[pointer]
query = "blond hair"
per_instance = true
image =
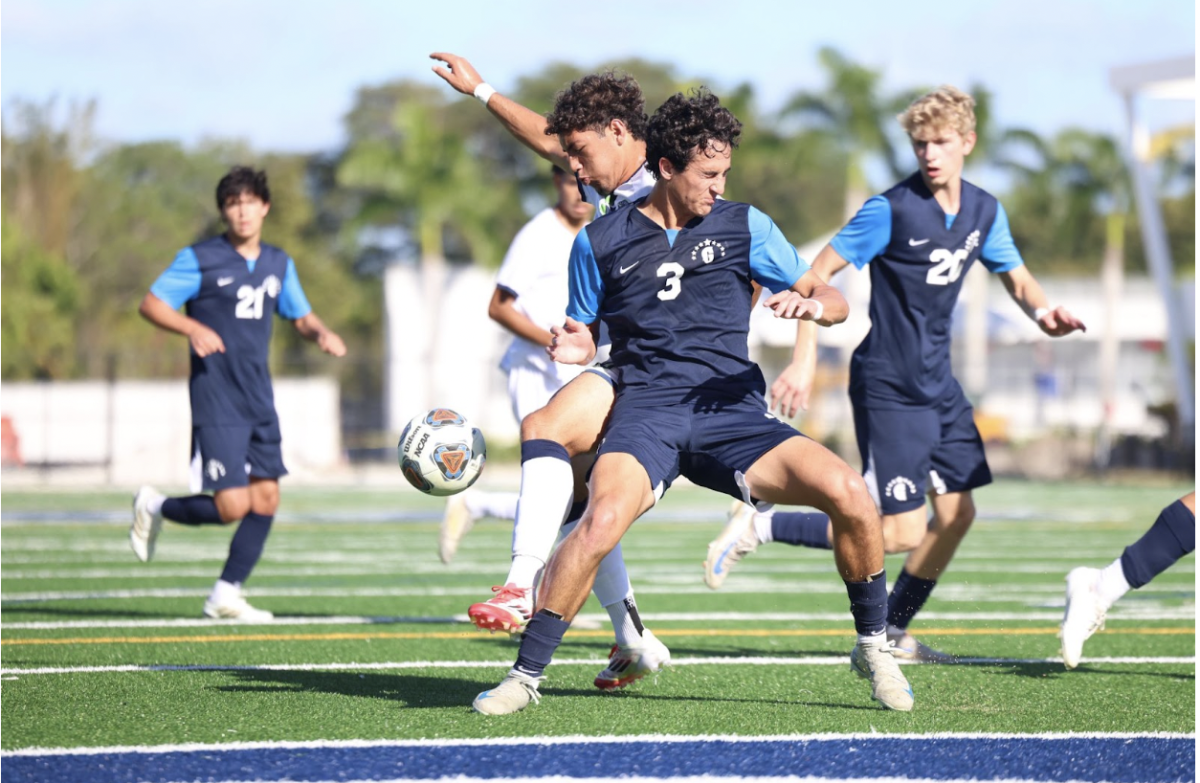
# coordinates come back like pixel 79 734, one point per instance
pixel 945 107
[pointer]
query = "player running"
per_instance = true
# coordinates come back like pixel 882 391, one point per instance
pixel 916 429
pixel 232 285
pixel 671 278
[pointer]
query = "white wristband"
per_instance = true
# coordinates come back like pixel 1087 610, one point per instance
pixel 484 91
pixel 1040 313
pixel 820 309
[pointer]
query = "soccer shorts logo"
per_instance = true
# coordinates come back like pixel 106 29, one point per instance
pixel 441 417
pixel 900 488
pixel 451 459
pixel 214 470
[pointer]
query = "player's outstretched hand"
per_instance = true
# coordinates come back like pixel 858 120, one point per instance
pixel 205 341
pixel 571 343
pixel 1059 322
pixel 331 343
pixel 458 72
pixel 792 389
pixel 789 304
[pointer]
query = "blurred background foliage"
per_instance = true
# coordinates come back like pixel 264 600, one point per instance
pixel 426 176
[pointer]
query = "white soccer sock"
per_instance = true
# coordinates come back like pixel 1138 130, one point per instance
pixel 547 489
pixel 874 639
pixel 498 505
pixel 1111 584
pixel 762 525
pixel 525 571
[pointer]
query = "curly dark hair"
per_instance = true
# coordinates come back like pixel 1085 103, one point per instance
pixel 592 101
pixel 239 180
pixel 685 124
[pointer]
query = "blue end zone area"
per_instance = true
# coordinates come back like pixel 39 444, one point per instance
pixel 1138 759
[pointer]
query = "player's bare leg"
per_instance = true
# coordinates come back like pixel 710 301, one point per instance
pixel 800 471
pixel 953 514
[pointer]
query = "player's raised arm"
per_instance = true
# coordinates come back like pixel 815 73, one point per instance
pixel 526 125
pixel 1027 292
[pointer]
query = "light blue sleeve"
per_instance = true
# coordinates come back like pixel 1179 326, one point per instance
pixel 293 303
pixel 585 287
pixel 180 282
pixel 999 254
pixel 867 234
pixel 774 262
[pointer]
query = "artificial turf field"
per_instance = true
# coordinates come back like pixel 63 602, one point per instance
pixel 368 671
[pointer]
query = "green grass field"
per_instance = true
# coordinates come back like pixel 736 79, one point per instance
pixel 371 642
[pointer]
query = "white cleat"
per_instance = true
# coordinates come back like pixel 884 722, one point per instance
pixel 235 608
pixel 737 540
pixel 513 694
pixel 632 663
pixel 1084 614
pixel 875 662
pixel 147 524
pixel 456 522
pixel 907 648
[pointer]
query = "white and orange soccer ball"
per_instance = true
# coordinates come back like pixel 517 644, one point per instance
pixel 441 453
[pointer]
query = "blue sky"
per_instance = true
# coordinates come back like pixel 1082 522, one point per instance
pixel 281 75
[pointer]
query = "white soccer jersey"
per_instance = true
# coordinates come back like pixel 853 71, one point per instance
pixel 630 190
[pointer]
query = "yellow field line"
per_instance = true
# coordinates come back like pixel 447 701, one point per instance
pixel 758 632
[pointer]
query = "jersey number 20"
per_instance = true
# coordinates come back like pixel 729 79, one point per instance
pixel 947 266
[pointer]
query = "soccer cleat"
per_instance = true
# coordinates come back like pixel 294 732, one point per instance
pixel 1084 614
pixel 513 694
pixel 456 521
pixel 737 540
pixel 146 523
pixel 509 610
pixel 235 607
pixel 907 648
pixel 876 662
pixel 629 664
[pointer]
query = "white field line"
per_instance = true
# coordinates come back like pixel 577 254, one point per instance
pixel 631 739
pixel 948 591
pixel 1138 613
pixel 826 660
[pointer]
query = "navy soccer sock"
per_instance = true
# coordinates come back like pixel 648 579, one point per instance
pixel 908 596
pixel 1172 536
pixel 246 547
pixel 801 528
pixel 192 510
pixel 543 634
pixel 868 604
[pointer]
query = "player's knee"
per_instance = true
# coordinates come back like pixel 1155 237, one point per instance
pixel 539 425
pixel 848 493
pixel 961 520
pixel 601 530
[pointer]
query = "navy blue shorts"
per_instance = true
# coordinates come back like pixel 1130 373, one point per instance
pixel 909 452
pixel 224 457
pixel 711 443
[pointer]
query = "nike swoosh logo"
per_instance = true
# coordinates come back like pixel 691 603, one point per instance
pixel 916 242
pixel 224 281
pixel 625 269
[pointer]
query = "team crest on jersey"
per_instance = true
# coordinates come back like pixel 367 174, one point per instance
pixel 900 488
pixel 451 459
pixel 708 251
pixel 214 470
pixel 441 417
pixel 272 286
pixel 972 241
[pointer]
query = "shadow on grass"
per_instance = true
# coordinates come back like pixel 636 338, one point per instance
pixel 1040 670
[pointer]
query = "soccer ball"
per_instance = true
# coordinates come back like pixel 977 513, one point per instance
pixel 441 453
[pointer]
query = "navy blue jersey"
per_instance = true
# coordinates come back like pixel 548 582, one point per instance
pixel 917 273
pixel 677 303
pixel 237 300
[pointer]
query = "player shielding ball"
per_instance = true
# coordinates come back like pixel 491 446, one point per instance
pixel 915 427
pixel 671 276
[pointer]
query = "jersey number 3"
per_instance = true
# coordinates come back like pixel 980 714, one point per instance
pixel 673 272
